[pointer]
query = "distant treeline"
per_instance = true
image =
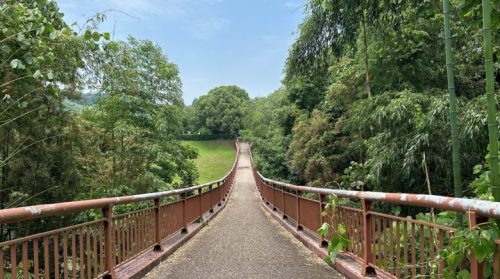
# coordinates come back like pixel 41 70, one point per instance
pixel 208 137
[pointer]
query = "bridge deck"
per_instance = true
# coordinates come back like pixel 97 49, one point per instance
pixel 243 242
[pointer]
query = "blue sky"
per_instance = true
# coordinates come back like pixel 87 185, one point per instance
pixel 214 42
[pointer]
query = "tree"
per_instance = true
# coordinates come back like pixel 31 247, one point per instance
pixel 140 117
pixel 219 111
pixel 268 123
pixel 125 144
pixel 41 59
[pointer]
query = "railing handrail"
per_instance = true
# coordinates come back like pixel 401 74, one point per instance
pixel 482 207
pixel 45 210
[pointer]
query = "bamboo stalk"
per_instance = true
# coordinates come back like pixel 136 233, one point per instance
pixel 457 180
pixel 491 101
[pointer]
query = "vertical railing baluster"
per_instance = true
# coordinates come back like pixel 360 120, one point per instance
pixel 13 261
pixel 65 254
pixel 73 253
pixel 25 258
pixel 413 252
pixel 35 259
pixel 46 262
pixel 56 256
pixel 440 249
pixel 431 251
pixel 89 252
pixel 95 257
pixel 476 268
pixel 1 263
pixel 117 231
pixel 423 259
pixel 80 244
pixel 366 269
pixel 405 248
pixel 108 242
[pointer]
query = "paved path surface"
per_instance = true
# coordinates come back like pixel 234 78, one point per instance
pixel 243 241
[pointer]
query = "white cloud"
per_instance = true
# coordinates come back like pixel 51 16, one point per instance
pixel 204 29
pixel 171 9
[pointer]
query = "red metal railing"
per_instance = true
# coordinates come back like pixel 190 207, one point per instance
pixel 390 245
pixel 95 249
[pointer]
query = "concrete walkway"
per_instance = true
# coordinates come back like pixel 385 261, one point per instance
pixel 243 241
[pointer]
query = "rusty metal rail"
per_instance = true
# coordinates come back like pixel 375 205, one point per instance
pixel 94 249
pixel 382 243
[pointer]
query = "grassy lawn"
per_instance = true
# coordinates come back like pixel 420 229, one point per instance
pixel 215 158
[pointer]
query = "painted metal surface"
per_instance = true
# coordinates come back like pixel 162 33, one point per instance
pixel 482 207
pixel 95 249
pixel 384 244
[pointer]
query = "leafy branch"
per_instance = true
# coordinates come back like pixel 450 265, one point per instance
pixel 338 239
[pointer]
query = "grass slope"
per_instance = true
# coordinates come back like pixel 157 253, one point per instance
pixel 215 158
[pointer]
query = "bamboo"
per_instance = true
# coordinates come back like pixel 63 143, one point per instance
pixel 491 101
pixel 457 180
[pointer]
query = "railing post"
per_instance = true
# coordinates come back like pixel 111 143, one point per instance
pixel 157 246
pixel 259 182
pixel 267 192
pixel 218 193
pixel 366 269
pixel 283 198
pixel 299 226
pixel 210 188
pixel 322 199
pixel 476 268
pixel 199 198
pixel 109 261
pixel 184 220
pixel 274 197
pixel 224 186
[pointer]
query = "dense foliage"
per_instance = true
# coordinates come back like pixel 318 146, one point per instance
pixel 218 112
pixel 367 109
pixel 125 144
pixel 367 105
